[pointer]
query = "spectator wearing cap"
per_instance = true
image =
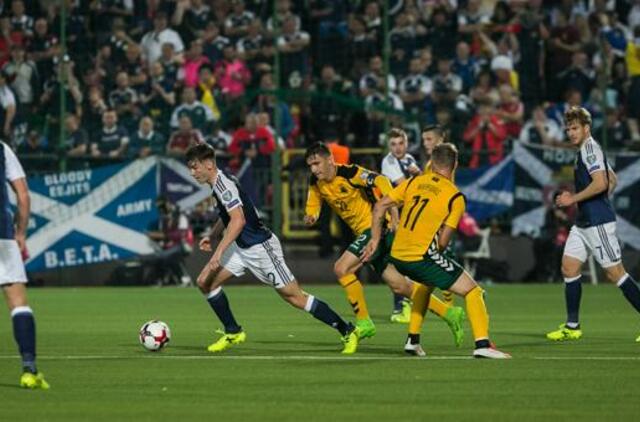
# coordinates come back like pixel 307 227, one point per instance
pixel 486 134
pixel 200 115
pixel 502 68
pixel 541 130
pixel 184 137
pixel 77 142
pixel 112 140
pixel 153 41
pixel 146 141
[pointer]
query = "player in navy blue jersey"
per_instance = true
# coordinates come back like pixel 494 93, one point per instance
pixel 594 230
pixel 248 244
pixel 13 277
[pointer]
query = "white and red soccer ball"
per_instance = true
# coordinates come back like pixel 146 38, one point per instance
pixel 154 335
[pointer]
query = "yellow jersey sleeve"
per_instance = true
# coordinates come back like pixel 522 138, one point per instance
pixel 397 194
pixel 314 200
pixel 370 179
pixel 457 206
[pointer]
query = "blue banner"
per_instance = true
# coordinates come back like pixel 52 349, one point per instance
pixel 489 190
pixel 91 216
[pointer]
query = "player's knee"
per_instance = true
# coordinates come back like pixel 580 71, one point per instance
pixel 340 270
pixel 201 281
pixel 569 271
pixel 614 274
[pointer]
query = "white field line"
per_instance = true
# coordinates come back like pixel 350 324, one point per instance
pixel 309 358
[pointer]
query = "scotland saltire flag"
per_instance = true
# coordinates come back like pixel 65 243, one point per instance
pixel 488 190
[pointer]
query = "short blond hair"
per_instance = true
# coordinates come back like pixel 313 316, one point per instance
pixel 577 114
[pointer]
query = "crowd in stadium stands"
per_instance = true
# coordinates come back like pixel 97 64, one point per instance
pixel 146 77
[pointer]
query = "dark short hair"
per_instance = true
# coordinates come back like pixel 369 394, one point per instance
pixel 319 148
pixel 445 155
pixel 439 130
pixel 200 152
pixel 577 114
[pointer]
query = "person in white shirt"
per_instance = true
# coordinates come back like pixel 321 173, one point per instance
pixel 398 165
pixel 152 41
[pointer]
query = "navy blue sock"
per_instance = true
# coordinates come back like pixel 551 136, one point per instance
pixel 220 305
pixel 24 331
pixel 572 297
pixel 630 290
pixel 398 300
pixel 321 311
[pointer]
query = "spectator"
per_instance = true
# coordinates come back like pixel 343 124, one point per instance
pixel 232 74
pixel 374 80
pixel 171 62
pixel 96 107
pixel 632 57
pixel 112 141
pixel 252 142
pixel 206 89
pixel 511 111
pixel 42 48
pixel 184 138
pixel 442 35
pixel 618 135
pixel 237 24
pixel 269 103
pixel 34 143
pixel 249 47
pixel 415 89
pixel 486 133
pixel 191 18
pixel 214 42
pixel 446 85
pixel 465 66
pixel 502 68
pixel 292 45
pixel 578 76
pixel 485 90
pixel 403 39
pixel 50 99
pixel 361 47
pixel 160 99
pixel 563 42
pixel 8 38
pixel 329 119
pixel 125 101
pixel 219 140
pixel 135 67
pixel 194 59
pixel 153 41
pixel 200 115
pixel 541 130
pixel 77 142
pixel 146 141
pixel 24 79
pixel 20 21
pixel 472 20
pixel 282 12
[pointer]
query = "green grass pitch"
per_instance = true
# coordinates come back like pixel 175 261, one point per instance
pixel 290 368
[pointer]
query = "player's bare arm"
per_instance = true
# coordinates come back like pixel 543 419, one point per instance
pixel 381 207
pixel 208 239
pixel 597 186
pixel 21 190
pixel 446 233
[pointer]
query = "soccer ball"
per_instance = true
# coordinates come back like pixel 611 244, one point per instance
pixel 154 335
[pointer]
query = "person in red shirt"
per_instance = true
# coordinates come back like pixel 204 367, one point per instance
pixel 252 142
pixel 511 110
pixel 486 133
pixel 185 137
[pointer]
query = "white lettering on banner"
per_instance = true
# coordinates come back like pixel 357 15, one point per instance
pixel 559 156
pixel 64 178
pixel 58 191
pixel 78 256
pixel 528 194
pixel 134 208
pixel 179 188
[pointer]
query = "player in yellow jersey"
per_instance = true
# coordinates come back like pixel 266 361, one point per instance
pixel 348 189
pixel 432 207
